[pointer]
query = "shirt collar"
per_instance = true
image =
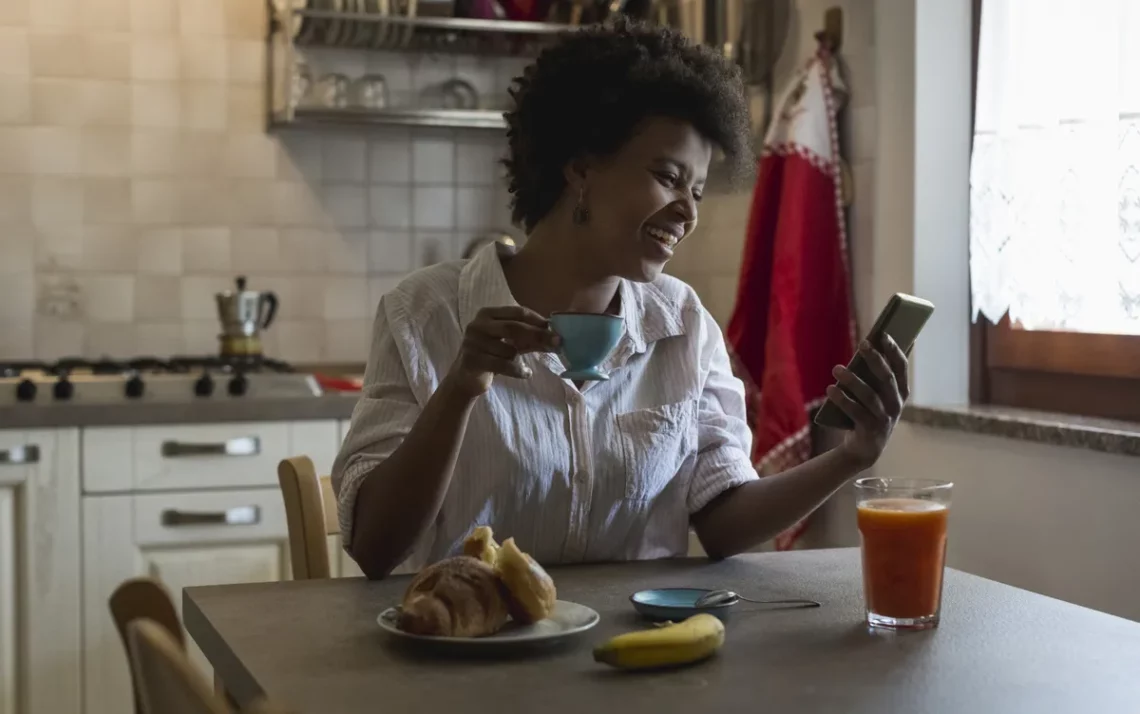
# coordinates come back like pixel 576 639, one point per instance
pixel 648 313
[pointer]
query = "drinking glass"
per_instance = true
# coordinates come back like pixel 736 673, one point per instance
pixel 902 528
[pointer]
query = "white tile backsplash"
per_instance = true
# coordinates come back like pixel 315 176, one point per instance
pixel 116 340
pixel 433 158
pixel 390 252
pixel 346 298
pixel 348 252
pixel 203 58
pixel 475 208
pixel 108 298
pixel 206 250
pixel 433 208
pixel 390 158
pixel 256 250
pixel 154 58
pixel 344 159
pixel 391 207
pixel 15 100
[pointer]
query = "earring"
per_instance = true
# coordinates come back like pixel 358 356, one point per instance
pixel 581 213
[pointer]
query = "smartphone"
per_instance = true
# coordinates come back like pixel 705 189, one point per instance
pixel 903 318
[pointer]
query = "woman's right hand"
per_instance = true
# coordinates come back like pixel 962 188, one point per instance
pixel 493 342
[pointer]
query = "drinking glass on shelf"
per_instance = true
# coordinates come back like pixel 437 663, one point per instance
pixel 902 529
pixel 369 92
pixel 331 91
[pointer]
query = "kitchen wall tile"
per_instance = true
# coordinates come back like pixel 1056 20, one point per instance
pixel 348 252
pixel 346 204
pixel 57 54
pixel 200 337
pixel 206 250
pixel 57 201
pixel 252 202
pixel 159 251
pixel 155 152
pixel 58 295
pixel 198 296
pixel 117 340
pixel 109 249
pixel 108 56
pixel 105 151
pixel 154 57
pixel 301 158
pixel 433 208
pixel 56 102
pixel 347 340
pixel 17 248
pixel 250 155
pixel 204 106
pixel 15 13
pixel 153 16
pixel 299 297
pixel 54 151
pixel 203 58
pixel 56 338
pixel 390 207
pixel 432 248
pixel 390 158
pixel 346 298
pixel 105 15
pixel 344 159
pixel 15 100
pixel 157 297
pixel 155 201
pixel 107 201
pixel 59 247
pixel 303 250
pixel 296 204
pixel 203 202
pixel 245 61
pixel 108 298
pixel 475 208
pixel 378 287
pixel 202 154
pixel 433 158
pixel 105 103
pixel 55 15
pixel 478 159
pixel 18 300
pixel 244 19
pixel 256 250
pixel 15 52
pixel 390 252
pixel 300 340
pixel 201 17
pixel 156 105
pixel 245 108
pixel 16 200
pixel 159 338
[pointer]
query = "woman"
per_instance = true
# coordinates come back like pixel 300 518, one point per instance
pixel 464 420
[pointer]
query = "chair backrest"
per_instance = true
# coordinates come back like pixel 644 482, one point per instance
pixel 168 682
pixel 310 512
pixel 144 598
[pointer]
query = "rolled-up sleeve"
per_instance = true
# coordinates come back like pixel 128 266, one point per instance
pixel 724 441
pixel 384 414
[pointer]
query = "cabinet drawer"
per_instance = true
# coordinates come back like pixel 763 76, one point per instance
pixel 214 517
pixel 200 456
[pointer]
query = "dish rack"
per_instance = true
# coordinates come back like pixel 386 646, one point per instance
pixel 406 26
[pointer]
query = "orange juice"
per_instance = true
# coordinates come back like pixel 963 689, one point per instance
pixel 904 552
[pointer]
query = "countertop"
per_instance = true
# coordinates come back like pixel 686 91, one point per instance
pixel 314 646
pixel 329 406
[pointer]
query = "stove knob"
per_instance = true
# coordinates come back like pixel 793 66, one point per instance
pixel 204 386
pixel 238 386
pixel 63 389
pixel 26 390
pixel 135 387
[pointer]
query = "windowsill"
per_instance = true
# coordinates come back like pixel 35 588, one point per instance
pixel 1105 435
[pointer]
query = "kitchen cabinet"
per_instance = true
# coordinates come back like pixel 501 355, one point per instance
pixel 40 635
pixel 181 539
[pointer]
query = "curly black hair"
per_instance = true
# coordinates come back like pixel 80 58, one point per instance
pixel 586 95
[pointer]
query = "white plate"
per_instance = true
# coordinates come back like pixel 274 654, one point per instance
pixel 567 620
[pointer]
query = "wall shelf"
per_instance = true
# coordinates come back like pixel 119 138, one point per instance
pixel 450 118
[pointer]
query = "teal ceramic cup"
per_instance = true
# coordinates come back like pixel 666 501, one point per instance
pixel 587 339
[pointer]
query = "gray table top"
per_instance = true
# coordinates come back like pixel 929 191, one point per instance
pixel 315 646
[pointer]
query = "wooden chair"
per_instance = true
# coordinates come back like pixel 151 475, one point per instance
pixel 310 512
pixel 144 598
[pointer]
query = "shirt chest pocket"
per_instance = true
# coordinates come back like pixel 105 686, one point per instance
pixel 655 443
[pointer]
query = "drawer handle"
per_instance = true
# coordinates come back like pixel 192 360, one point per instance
pixel 29 454
pixel 241 446
pixel 239 516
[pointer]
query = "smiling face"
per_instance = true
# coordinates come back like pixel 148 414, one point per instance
pixel 643 198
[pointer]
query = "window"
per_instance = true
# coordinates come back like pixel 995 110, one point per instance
pixel 1055 207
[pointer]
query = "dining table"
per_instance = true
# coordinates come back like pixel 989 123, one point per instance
pixel 315 647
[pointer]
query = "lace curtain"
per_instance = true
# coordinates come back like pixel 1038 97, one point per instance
pixel 1055 175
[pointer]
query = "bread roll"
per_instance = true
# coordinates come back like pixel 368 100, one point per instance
pixel 481 544
pixel 530 591
pixel 456 597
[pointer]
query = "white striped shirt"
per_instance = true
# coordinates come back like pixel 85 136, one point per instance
pixel 612 472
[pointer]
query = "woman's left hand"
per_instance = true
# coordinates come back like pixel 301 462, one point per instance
pixel 879 405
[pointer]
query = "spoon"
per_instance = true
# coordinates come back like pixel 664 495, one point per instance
pixel 718 598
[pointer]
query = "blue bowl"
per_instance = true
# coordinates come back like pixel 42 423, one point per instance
pixel 587 339
pixel 675 604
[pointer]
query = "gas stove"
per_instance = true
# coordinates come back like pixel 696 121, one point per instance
pixel 151 380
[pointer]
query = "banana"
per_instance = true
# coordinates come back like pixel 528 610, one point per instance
pixel 693 640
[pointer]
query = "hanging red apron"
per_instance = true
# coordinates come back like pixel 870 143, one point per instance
pixel 792 322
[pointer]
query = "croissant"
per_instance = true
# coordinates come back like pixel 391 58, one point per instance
pixel 457 597
pixel 531 594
